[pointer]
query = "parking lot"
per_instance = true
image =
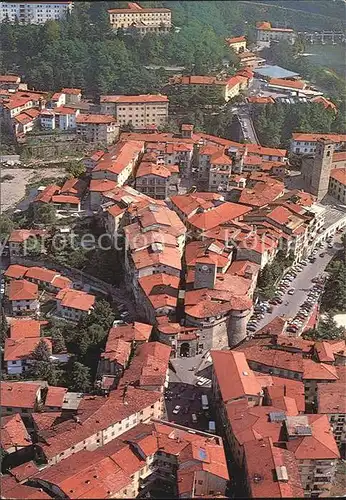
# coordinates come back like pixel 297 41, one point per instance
pixel 302 288
pixel 188 398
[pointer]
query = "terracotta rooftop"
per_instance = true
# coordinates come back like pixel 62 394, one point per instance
pixel 117 351
pixel 119 157
pixel 19 394
pixel 15 271
pixel 217 216
pixel 320 445
pixel 96 413
pixel 13 433
pixel 95 119
pixel 55 397
pixel 331 399
pixel 135 332
pixel 22 290
pixel 262 462
pixel 148 366
pixel 339 174
pixel 75 299
pixel 22 348
pixel 11 489
pixel 24 327
pixel 302 136
pixel 233 365
pixel 137 99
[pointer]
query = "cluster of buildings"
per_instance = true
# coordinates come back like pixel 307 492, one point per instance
pixel 24 110
pixel 284 414
pixel 226 89
pixel 25 283
pixel 110 444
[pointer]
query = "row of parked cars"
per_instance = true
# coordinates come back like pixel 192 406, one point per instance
pixel 260 309
pixel 306 307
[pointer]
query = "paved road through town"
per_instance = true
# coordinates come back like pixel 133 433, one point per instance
pixel 301 283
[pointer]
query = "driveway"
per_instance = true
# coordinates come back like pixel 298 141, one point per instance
pixel 302 283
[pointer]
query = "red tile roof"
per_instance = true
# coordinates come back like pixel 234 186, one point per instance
pixel 148 366
pixel 138 99
pixel 261 473
pixel 117 351
pixel 339 174
pixel 21 235
pixel 22 348
pixel 22 290
pixel 19 394
pixel 11 489
pixel 281 82
pixel 217 216
pixel 135 332
pixel 55 396
pixel 263 151
pixel 9 78
pixel 15 271
pixel 339 156
pixel 320 445
pixel 24 471
pixel 102 185
pixel 95 119
pixel 75 299
pixel 318 371
pixel 13 433
pixel 24 327
pixel 96 413
pixel 249 423
pixel 45 196
pixel 71 91
pixel 236 39
pixel 302 136
pixel 120 156
pixel 331 399
pixel 146 168
pixel 261 193
pixel 64 198
pixel 233 365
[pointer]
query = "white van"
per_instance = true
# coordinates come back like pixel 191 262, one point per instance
pixel 194 418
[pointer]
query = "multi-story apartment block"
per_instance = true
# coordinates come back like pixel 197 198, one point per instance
pixel 156 179
pixel 337 184
pixel 143 20
pixel 331 401
pixel 35 12
pixel 101 129
pixel 141 111
pixel 304 143
pixel 266 34
pixel 100 420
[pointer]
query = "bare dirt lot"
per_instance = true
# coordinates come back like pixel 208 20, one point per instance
pixel 12 191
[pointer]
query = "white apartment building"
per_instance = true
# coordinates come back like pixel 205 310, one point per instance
pixel 34 12
pixel 100 129
pixel 154 20
pixel 266 34
pixel 141 111
pixel 305 143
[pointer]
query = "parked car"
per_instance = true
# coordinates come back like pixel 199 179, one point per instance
pixel 176 410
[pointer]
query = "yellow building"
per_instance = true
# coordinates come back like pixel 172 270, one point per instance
pixel 153 20
pixel 238 43
pixel 139 110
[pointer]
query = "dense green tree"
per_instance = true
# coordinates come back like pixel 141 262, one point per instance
pixel 76 169
pixel 327 329
pixel 45 214
pixel 3 327
pixel 58 341
pixel 79 377
pixel 41 351
pixel 6 226
pixel 334 295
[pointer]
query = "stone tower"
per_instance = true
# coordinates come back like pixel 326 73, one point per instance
pixel 321 168
pixel 236 326
pixel 205 275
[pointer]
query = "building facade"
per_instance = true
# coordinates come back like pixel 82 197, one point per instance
pixel 150 20
pixel 34 12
